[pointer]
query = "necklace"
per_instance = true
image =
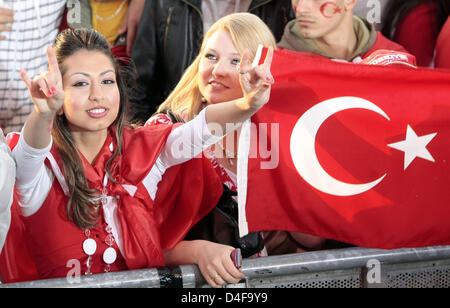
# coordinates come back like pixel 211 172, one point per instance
pixel 90 245
pixel 113 15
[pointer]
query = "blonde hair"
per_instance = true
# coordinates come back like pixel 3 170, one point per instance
pixel 247 31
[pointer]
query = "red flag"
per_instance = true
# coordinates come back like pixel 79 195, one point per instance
pixel 350 152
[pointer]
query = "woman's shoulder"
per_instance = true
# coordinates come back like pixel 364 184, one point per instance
pixel 145 137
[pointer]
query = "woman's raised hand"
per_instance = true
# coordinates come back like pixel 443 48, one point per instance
pixel 256 81
pixel 46 89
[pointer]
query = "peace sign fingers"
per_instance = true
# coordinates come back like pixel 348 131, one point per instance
pixel 268 61
pixel 245 65
pixel 46 90
pixel 256 80
pixel 52 61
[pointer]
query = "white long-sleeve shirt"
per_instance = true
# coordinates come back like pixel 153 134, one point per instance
pixel 7 179
pixel 35 179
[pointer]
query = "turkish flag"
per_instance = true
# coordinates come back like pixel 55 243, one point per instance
pixel 355 153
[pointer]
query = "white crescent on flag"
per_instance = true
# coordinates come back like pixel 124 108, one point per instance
pixel 303 151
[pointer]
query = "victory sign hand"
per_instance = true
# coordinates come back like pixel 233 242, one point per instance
pixel 256 81
pixel 46 90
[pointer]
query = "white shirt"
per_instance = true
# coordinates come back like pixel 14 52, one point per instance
pixel 7 179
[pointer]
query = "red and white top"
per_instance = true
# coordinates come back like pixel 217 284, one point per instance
pixel 129 210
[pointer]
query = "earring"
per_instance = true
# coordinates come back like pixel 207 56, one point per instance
pixel 203 100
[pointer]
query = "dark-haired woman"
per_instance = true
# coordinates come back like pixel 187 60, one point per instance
pixel 416 24
pixel 87 180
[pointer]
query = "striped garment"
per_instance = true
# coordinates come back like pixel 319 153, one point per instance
pixel 35 26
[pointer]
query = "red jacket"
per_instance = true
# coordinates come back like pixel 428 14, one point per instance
pixel 186 193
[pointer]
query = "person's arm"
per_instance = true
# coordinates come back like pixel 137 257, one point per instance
pixel 7 179
pixel 131 22
pixel 33 178
pixel 47 95
pixel 213 260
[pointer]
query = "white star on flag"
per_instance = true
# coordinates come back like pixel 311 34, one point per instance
pixel 414 146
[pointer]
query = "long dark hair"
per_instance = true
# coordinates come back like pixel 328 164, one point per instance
pixel 82 208
pixel 396 10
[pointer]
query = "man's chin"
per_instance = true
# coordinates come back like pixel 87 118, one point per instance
pixel 307 35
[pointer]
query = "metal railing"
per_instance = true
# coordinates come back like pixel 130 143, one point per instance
pixel 348 267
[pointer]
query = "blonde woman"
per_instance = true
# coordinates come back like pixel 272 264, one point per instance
pixel 215 77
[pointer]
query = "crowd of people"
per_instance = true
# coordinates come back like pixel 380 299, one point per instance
pixel 97 120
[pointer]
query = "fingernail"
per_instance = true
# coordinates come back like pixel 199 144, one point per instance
pixel 49 93
pixel 53 89
pixel 270 79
